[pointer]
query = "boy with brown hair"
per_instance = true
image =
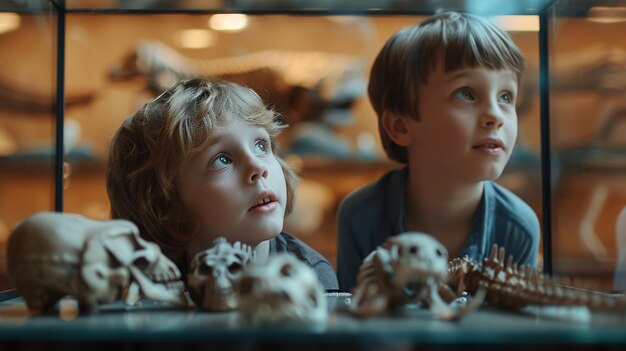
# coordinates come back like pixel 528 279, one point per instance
pixel 445 93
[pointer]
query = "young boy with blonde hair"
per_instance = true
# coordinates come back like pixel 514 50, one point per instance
pixel 199 162
pixel 445 93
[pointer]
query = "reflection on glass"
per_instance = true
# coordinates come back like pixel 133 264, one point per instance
pixel 27 117
pixel 588 118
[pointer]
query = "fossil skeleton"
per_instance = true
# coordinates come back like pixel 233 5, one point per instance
pixel 299 84
pixel 508 285
pixel 408 268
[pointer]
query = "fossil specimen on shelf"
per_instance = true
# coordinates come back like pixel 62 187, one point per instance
pixel 214 274
pixel 408 268
pixel 510 286
pixel 298 84
pixel 281 290
pixel 53 255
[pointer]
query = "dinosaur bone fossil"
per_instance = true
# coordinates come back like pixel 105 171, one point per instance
pixel 214 273
pixel 298 84
pixel 511 286
pixel 53 255
pixel 281 290
pixel 408 268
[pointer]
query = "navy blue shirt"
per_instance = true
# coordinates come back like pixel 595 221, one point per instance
pixel 368 216
pixel 287 243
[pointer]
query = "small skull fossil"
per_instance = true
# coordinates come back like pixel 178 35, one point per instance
pixel 416 259
pixel 280 290
pixel 53 255
pixel 214 273
pixel 407 268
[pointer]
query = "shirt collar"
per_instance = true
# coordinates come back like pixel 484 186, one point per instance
pixel 482 234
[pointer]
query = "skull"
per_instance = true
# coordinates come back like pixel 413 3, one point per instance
pixel 151 272
pixel 416 259
pixel 409 267
pixel 52 255
pixel 281 289
pixel 215 272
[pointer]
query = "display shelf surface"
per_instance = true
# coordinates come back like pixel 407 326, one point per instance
pixel 154 322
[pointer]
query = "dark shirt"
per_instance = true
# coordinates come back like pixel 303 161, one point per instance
pixel 368 216
pixel 285 242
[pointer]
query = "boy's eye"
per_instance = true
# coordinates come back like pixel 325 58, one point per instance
pixel 464 94
pixel 221 161
pixel 506 98
pixel 262 145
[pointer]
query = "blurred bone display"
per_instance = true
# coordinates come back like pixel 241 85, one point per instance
pixel 276 290
pixel 408 268
pixel 214 275
pixel 595 67
pixel 281 290
pixel 54 255
pixel 313 90
pixel 298 83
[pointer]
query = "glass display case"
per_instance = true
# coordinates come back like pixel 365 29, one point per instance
pixel 587 61
pixel 28 113
pixel 116 58
pixel 102 59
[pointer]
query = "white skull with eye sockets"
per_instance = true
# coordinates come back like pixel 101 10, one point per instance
pixel 416 258
pixel 407 268
pixel 52 255
pixel 280 290
pixel 215 272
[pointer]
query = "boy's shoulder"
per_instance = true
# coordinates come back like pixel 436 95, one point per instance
pixel 510 206
pixel 286 242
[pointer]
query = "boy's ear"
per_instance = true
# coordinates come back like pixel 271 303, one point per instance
pixel 397 128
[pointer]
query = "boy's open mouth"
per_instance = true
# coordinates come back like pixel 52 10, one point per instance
pixel 490 146
pixel 264 201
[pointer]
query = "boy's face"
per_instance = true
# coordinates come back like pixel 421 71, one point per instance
pixel 467 124
pixel 235 187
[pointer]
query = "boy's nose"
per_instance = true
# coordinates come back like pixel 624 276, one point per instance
pixel 492 117
pixel 257 170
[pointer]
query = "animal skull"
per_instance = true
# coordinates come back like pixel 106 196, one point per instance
pixel 416 259
pixel 407 268
pixel 281 289
pixel 52 255
pixel 215 272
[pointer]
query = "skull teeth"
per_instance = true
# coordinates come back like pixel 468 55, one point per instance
pixel 174 285
pixel 225 292
pixel 163 278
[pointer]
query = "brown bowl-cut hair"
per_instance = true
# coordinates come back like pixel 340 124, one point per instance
pixel 451 39
pixel 148 151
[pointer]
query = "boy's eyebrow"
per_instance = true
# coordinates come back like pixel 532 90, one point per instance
pixel 460 74
pixel 468 72
pixel 216 138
